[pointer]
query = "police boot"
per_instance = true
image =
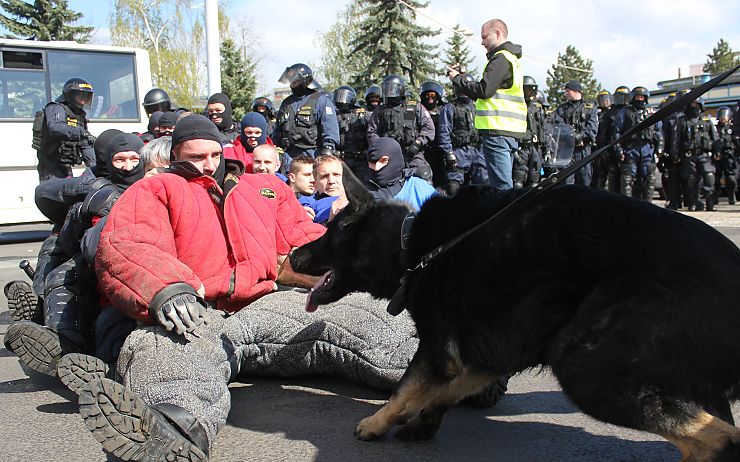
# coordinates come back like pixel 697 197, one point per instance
pixel 130 429
pixel 711 202
pixel 76 370
pixel 37 346
pixel 23 302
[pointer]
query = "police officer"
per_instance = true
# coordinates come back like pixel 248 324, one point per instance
pixel 696 137
pixel 352 120
pixel 431 96
pixel 609 130
pixel 407 122
pixel 60 134
pixel 601 165
pixel 459 140
pixel 307 119
pixel 155 100
pixel 585 122
pixel 372 98
pixel 532 147
pixel 725 151
pixel 637 161
pixel 264 106
pixel 674 187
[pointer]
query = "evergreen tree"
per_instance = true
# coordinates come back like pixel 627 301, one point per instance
pixel 457 52
pixel 392 44
pixel 238 79
pixel 42 20
pixel 559 75
pixel 721 58
pixel 338 61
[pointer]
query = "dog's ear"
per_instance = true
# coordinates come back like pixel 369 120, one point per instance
pixel 357 194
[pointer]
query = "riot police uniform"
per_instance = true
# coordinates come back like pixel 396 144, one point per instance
pixel 372 99
pixel 528 158
pixel 431 96
pixel 60 134
pixel 264 106
pixel 696 137
pixel 601 164
pixel 352 120
pixel 307 119
pixel 407 122
pixel 609 130
pixel 585 122
pixel 726 153
pixel 637 163
pixel 672 160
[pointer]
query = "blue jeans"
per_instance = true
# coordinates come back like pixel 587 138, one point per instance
pixel 498 152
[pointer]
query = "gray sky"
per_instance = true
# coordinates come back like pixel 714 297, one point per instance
pixel 630 42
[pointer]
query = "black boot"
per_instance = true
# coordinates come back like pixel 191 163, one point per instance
pixel 23 302
pixel 36 346
pixel 76 370
pixel 130 429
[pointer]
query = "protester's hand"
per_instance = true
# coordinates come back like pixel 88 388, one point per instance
pixel 181 313
pixel 337 206
pixel 311 212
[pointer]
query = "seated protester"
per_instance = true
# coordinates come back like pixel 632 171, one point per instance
pixel 330 198
pixel 219 111
pixel 389 180
pixel 167 123
pixel 266 160
pixel 167 260
pixel 302 182
pixel 152 131
pixel 70 295
pixel 155 156
pixel 254 133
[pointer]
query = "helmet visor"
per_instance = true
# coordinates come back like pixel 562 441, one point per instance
pixel 289 76
pixel 344 96
pixel 392 89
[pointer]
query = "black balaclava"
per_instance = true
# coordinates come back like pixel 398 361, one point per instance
pixel 101 152
pixel 393 171
pixel 198 127
pixel 253 119
pixel 226 119
pixel 692 111
pixel 154 121
pixel 167 119
pixel 121 143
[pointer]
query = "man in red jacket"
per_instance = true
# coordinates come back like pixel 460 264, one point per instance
pixel 179 251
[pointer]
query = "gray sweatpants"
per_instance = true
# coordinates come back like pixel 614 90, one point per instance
pixel 353 338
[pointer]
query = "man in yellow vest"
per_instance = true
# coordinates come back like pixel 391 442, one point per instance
pixel 500 109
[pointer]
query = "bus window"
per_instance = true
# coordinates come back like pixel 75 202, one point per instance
pixel 22 92
pixel 14 59
pixel 112 77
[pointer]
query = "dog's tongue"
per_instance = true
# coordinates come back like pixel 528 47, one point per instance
pixel 311 306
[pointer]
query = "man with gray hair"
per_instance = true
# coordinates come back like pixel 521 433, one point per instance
pixel 500 109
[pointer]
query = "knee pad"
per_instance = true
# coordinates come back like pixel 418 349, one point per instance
pixel 709 179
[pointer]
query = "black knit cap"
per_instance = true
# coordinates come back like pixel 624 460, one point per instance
pixel 168 119
pixel 194 127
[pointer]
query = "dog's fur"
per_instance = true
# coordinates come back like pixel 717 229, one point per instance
pixel 635 309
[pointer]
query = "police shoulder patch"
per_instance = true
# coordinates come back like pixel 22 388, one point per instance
pixel 268 193
pixel 329 110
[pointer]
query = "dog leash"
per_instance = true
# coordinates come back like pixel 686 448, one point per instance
pixel 398 301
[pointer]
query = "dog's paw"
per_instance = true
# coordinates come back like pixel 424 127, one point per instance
pixel 419 429
pixel 369 428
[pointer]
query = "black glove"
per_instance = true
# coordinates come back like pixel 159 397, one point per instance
pixel 100 202
pixel 90 137
pixel 414 148
pixel 326 150
pixel 178 307
pixel 451 161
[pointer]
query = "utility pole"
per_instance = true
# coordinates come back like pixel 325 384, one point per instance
pixel 213 57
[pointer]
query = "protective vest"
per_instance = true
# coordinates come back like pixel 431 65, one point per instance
pixel 301 129
pixel 352 131
pixel 633 118
pixel 506 110
pixel 399 123
pixel 697 137
pixel 535 123
pixel 726 145
pixel 68 152
pixel 463 125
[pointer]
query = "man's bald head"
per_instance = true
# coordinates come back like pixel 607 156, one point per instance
pixel 265 159
pixel 493 33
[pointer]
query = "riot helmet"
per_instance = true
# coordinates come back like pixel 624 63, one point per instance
pixel 431 94
pixel 604 100
pixel 372 97
pixel 695 108
pixel 639 97
pixel 724 114
pixel 542 99
pixel 621 96
pixel 155 100
pixel 393 89
pixel 530 88
pixel 77 93
pixel 345 97
pixel 263 106
pixel 299 75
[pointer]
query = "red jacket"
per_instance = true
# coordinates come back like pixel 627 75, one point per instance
pixel 167 229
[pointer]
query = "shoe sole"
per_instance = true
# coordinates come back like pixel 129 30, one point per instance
pixel 22 302
pixel 129 429
pixel 76 370
pixel 35 345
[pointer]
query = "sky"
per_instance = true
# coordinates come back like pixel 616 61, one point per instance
pixel 630 42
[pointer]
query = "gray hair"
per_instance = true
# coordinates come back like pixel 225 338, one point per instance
pixel 157 151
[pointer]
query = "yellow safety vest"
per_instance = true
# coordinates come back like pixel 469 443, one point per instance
pixel 506 110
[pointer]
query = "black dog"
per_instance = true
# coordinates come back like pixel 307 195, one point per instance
pixel 635 309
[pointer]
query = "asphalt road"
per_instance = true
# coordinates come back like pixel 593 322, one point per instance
pixel 313 419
